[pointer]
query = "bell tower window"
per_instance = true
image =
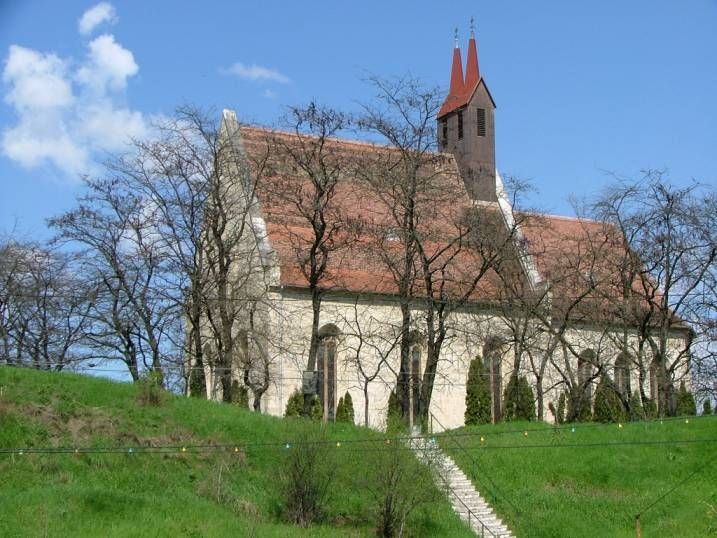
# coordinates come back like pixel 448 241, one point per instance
pixel 481 121
pixel 444 131
pixel 460 125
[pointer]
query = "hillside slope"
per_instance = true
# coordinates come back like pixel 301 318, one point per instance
pixel 590 480
pixel 182 490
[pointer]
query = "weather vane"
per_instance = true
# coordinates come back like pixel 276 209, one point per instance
pixel 455 35
pixel 473 27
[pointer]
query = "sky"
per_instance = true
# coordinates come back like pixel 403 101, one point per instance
pixel 584 90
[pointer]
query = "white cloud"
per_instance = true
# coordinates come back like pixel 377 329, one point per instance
pixel 69 112
pixel 110 127
pixel 96 15
pixel 109 65
pixel 256 73
pixel 40 138
pixel 37 80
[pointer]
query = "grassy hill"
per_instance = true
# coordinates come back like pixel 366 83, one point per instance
pixel 175 493
pixel 592 481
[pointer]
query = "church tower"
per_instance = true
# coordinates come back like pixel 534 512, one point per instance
pixel 466 125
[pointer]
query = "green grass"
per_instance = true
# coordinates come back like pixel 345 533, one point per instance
pixel 596 491
pixel 220 493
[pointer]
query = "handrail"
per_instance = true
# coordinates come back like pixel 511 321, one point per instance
pixel 483 527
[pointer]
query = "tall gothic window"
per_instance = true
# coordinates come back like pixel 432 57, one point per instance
pixel 586 360
pixel 622 374
pixel 326 369
pixel 654 381
pixel 460 124
pixel 492 367
pixel 444 131
pixel 416 376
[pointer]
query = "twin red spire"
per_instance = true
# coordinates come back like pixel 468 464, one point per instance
pixel 461 90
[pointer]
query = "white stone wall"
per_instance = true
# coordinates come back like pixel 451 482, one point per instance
pixel 379 318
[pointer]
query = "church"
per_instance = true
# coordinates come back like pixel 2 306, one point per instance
pixel 530 295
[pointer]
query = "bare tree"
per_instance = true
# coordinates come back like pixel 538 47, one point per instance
pixel 43 306
pixel 303 178
pixel 123 253
pixel 667 254
pixel 429 242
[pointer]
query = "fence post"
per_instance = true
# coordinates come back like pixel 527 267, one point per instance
pixel 638 528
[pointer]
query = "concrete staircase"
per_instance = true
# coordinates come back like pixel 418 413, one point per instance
pixel 464 498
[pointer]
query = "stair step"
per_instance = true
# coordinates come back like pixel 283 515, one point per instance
pixel 467 502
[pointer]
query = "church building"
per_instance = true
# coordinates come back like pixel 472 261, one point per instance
pixel 552 311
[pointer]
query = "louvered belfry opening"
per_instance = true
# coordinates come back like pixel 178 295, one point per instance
pixel 480 114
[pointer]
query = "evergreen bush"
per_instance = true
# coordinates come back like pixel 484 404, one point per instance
pixel 240 395
pixel 317 410
pixel 578 405
pixel 649 406
pixel 519 399
pixel 345 409
pixel 636 410
pixel 608 406
pixel 685 402
pixel 295 405
pixel 560 418
pixel 478 398
pixel 395 422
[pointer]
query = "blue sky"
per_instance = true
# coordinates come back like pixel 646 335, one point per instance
pixel 582 88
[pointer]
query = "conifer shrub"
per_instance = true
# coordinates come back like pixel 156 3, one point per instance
pixel 649 406
pixel 578 405
pixel 685 402
pixel 240 395
pixel 560 417
pixel 707 407
pixel 395 422
pixel 478 397
pixel 519 399
pixel 636 410
pixel 295 405
pixel 345 409
pixel 608 406
pixel 317 410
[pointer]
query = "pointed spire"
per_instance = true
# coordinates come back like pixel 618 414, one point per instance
pixel 472 71
pixel 457 85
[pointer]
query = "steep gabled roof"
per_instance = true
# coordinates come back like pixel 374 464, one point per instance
pixel 367 237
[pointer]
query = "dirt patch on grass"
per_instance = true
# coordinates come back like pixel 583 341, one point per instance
pixel 82 425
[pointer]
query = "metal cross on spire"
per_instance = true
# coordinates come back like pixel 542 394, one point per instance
pixel 473 27
pixel 455 36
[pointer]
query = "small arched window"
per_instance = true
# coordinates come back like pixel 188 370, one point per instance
pixel 622 374
pixel 326 368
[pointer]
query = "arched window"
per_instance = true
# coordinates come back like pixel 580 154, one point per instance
pixel 622 374
pixel 586 361
pixel 326 369
pixel 655 381
pixel 416 370
pixel 492 367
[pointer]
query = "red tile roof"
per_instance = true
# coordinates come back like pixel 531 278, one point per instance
pixel 578 256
